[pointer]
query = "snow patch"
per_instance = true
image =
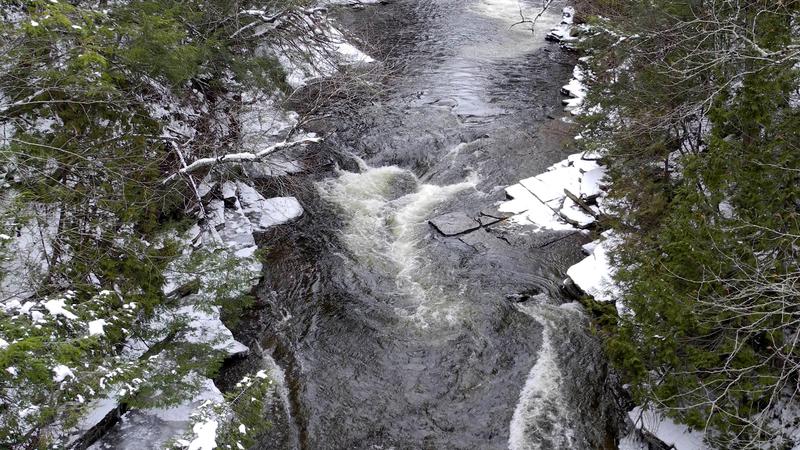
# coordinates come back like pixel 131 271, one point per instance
pixel 667 430
pixel 56 307
pixel 329 50
pixel 60 372
pixel 594 274
pixel 206 436
pixel 96 327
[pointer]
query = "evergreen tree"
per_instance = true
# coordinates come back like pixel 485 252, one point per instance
pixel 94 97
pixel 696 106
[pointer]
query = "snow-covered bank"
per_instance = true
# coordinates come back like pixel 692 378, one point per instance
pixel 663 428
pixel 218 261
pixel 324 50
pixel 571 194
pixel 562 33
pixel 225 243
pixel 235 211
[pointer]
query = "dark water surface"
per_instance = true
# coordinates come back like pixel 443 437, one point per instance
pixel 388 334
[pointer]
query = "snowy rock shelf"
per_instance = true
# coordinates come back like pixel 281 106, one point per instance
pixel 569 195
pixel 566 196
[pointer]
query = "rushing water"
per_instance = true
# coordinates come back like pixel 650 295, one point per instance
pixel 390 335
pixel 385 209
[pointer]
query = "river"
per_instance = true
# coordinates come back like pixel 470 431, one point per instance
pixel 387 334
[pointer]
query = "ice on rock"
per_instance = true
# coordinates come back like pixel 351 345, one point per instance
pixel 557 180
pixel 542 190
pixel 581 162
pixel 529 210
pixel 522 200
pixel 589 248
pixel 561 33
pixel 573 212
pixel 279 210
pixel 575 89
pixel 541 200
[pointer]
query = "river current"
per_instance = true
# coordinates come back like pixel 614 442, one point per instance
pixel 382 332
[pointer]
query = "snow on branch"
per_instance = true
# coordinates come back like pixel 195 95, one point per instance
pixel 241 157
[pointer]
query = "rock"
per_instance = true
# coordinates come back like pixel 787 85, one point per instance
pixel 524 296
pixel 454 223
pixel 264 213
pixel 228 190
pixel 486 220
pixel 479 240
pixel 449 102
pixel 571 289
pixel 492 211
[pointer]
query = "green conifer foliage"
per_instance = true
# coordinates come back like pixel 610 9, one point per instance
pixel 85 146
pixel 697 109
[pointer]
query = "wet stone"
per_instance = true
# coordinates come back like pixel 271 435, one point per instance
pixel 477 240
pixel 454 223
pixel 492 211
pixel 487 220
pixel 523 296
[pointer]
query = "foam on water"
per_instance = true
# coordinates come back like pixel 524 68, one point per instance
pixel 277 375
pixel 541 418
pixel 387 209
